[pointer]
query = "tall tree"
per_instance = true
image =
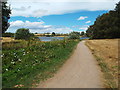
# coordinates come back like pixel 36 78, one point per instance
pixel 117 8
pixel 6 11
pixel 106 25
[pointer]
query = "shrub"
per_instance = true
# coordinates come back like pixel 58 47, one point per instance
pixel 74 35
pixel 23 33
pixel 53 33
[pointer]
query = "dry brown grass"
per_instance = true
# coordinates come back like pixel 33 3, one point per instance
pixel 6 39
pixel 106 53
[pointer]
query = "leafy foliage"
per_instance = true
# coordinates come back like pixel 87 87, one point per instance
pixel 106 25
pixel 74 35
pixel 53 33
pixel 23 33
pixel 6 11
pixel 117 8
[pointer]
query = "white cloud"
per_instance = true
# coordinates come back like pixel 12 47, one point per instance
pixel 26 24
pixel 81 27
pixel 22 8
pixel 17 23
pixel 88 22
pixel 39 8
pixel 84 27
pixel 60 30
pixel 38 27
pixel 76 26
pixel 82 17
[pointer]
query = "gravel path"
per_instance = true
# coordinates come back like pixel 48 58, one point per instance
pixel 79 71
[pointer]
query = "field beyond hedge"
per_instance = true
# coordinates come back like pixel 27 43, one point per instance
pixel 26 65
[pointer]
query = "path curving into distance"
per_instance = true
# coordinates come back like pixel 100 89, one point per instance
pixel 79 71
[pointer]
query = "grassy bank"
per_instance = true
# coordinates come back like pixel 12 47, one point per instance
pixel 25 65
pixel 106 53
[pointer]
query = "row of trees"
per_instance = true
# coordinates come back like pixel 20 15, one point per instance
pixel 26 35
pixel 106 25
pixel 60 34
pixel 8 34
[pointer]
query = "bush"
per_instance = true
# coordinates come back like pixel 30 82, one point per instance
pixel 74 35
pixel 23 33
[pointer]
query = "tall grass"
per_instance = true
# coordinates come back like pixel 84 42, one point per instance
pixel 24 66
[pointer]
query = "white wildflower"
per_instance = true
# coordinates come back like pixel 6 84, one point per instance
pixel 19 59
pixel 23 53
pixel 1 55
pixel 13 62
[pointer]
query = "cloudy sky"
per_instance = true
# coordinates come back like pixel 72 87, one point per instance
pixel 60 16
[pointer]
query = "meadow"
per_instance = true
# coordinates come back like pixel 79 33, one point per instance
pixel 26 64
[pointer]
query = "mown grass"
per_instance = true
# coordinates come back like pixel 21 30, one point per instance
pixel 25 65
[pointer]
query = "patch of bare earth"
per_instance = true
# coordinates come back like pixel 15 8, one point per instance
pixel 106 53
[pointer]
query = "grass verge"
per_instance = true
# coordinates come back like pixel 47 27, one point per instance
pixel 109 79
pixel 25 66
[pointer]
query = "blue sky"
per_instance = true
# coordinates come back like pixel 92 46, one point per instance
pixel 60 17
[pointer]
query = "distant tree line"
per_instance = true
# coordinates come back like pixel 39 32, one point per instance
pixel 8 34
pixel 106 26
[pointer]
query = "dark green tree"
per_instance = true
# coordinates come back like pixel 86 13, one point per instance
pixel 23 33
pixel 106 25
pixel 117 8
pixel 53 33
pixel 6 11
pixel 89 32
pixel 36 33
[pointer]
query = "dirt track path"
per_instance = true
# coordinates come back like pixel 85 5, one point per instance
pixel 79 71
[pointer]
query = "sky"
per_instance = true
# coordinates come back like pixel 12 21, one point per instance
pixel 59 16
